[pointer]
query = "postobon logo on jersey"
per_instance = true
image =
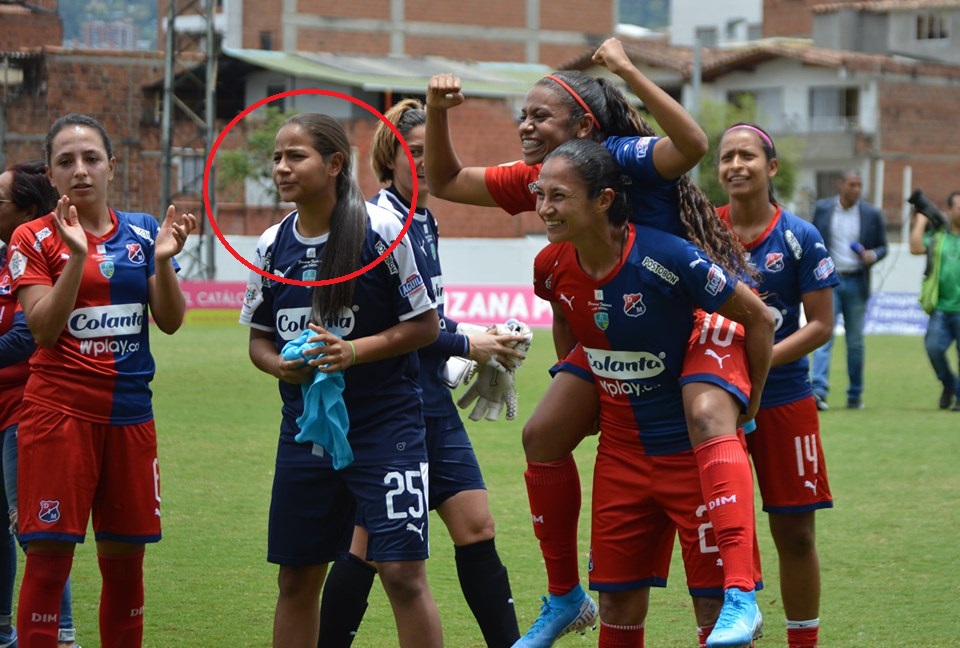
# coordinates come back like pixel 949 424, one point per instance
pixel 106 321
pixel 624 365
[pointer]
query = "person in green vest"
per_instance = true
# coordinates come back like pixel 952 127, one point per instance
pixel 941 293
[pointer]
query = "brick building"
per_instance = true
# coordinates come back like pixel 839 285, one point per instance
pixel 876 111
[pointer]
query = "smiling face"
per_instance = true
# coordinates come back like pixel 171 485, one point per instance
pixel 545 123
pixel 403 174
pixel 564 203
pixel 80 166
pixel 300 172
pixel 743 168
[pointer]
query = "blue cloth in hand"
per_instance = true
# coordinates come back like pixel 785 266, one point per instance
pixel 324 420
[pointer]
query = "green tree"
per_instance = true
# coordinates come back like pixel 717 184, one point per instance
pixel 715 118
pixel 254 160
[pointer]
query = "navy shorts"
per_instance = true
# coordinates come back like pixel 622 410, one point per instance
pixel 313 510
pixel 453 463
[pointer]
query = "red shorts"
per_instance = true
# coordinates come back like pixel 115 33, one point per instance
pixel 716 354
pixel 639 502
pixel 788 457
pixel 69 467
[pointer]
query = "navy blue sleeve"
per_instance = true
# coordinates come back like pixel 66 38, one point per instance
pixel 449 342
pixel 17 344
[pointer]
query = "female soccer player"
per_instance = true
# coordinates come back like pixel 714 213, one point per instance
pixel 457 491
pixel 370 328
pixel 717 381
pixel 86 276
pixel 795 270
pixel 25 194
pixel 646 481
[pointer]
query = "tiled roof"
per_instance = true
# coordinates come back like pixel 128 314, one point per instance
pixel 718 62
pixel 749 57
pixel 885 6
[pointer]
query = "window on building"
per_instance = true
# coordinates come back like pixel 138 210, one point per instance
pixel 834 109
pixel 827 183
pixel 707 36
pixel 933 26
pixel 279 104
pixel 266 40
pixel 767 101
pixel 189 176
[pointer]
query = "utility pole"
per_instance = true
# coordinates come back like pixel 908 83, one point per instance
pixel 191 54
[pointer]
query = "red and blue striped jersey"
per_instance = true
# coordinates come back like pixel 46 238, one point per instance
pixel 634 326
pixel 100 367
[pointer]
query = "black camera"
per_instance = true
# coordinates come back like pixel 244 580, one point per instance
pixel 923 205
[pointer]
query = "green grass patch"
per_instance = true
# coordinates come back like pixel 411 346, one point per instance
pixel 888 549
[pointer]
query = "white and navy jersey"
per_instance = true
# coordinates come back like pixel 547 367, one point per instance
pixel 424 233
pixel 792 260
pixel 382 398
pixel 634 326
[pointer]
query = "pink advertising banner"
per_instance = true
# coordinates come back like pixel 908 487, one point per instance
pixel 474 304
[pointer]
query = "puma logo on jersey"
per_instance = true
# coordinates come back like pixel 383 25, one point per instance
pixel 696 262
pixel 713 354
pixel 412 527
pixel 567 300
pixel 812 485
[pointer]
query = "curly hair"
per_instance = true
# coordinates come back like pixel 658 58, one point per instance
pixel 617 116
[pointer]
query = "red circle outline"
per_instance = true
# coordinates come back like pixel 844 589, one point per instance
pixel 292 93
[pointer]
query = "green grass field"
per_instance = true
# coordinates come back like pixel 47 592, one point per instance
pixel 889 550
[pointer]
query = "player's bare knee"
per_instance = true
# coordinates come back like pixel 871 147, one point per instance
pixel 403 580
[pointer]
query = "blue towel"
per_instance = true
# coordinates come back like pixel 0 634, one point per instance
pixel 324 420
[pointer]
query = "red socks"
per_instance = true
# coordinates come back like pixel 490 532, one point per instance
pixel 121 600
pixel 38 608
pixel 726 482
pixel 803 637
pixel 613 636
pixel 553 489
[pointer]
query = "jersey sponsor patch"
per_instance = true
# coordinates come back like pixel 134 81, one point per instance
pixel 107 268
pixel 18 263
pixel 142 233
pixel 391 264
pixel 716 280
pixel 39 236
pixel 642 145
pixel 794 245
pixel 412 284
pixel 824 269
pixel 106 321
pixel 5 286
pixel 656 268
pixel 624 365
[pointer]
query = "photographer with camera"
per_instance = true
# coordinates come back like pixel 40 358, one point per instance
pixel 853 232
pixel 938 236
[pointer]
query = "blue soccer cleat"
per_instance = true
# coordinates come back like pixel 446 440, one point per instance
pixel 575 611
pixel 739 623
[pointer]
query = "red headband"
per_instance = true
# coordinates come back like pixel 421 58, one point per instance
pixel 763 136
pixel 578 98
